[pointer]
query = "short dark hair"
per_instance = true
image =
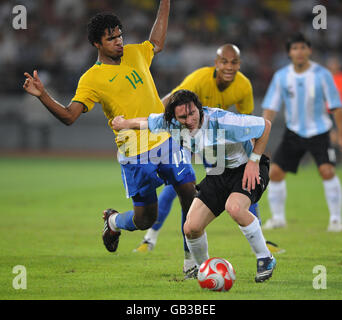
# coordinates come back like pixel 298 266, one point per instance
pixel 99 23
pixel 179 98
pixel 297 37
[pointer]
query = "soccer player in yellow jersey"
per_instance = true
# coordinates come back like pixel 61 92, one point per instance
pixel 219 86
pixel 122 83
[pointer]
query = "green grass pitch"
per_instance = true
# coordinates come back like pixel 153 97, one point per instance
pixel 51 223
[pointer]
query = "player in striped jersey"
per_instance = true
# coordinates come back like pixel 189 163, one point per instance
pixel 220 86
pixel 238 174
pixel 306 89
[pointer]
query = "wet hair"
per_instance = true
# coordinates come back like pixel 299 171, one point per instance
pixel 298 37
pixel 179 98
pixel 99 24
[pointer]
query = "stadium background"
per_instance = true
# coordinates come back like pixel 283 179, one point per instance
pixel 55 42
pixel 50 207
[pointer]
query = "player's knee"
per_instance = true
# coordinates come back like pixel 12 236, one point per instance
pixel 186 193
pixel 326 171
pixel 144 222
pixel 192 230
pixel 187 230
pixel 234 209
pixel 276 173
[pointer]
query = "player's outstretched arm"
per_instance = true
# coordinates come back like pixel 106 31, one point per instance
pixel 159 29
pixel 269 114
pixel 260 143
pixel 120 123
pixel 35 87
pixel 166 99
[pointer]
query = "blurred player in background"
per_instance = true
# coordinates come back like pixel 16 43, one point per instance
pixel 334 66
pixel 122 83
pixel 220 86
pixel 305 88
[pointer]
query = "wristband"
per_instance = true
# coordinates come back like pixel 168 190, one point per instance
pixel 255 157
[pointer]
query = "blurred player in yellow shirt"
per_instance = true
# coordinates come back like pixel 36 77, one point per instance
pixel 220 86
pixel 122 83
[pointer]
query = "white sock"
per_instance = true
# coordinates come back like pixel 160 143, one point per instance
pixel 199 248
pixel 256 239
pixel 189 264
pixel 276 199
pixel 111 222
pixel 332 190
pixel 152 235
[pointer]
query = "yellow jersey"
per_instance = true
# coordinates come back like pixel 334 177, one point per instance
pixel 203 83
pixel 127 89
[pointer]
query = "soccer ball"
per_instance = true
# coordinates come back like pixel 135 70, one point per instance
pixel 216 274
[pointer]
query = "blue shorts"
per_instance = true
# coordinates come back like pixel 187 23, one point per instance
pixel 167 163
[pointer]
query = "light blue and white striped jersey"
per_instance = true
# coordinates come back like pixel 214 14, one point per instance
pixel 306 97
pixel 224 139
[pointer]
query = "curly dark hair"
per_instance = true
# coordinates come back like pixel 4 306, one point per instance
pixel 179 98
pixel 99 23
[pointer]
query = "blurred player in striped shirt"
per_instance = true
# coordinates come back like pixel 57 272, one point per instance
pixel 307 90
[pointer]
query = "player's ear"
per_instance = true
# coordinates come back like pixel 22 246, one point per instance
pixel 97 45
pixel 216 63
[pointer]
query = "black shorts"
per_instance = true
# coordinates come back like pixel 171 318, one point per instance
pixel 214 190
pixel 293 147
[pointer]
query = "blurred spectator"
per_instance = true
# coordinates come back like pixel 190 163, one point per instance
pixel 334 65
pixel 56 37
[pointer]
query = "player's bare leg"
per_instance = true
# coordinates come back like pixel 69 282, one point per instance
pixel 145 216
pixel 186 193
pixel 199 216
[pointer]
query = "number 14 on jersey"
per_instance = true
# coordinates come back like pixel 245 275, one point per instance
pixel 134 79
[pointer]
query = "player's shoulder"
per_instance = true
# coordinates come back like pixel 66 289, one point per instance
pixel 204 72
pixel 318 68
pixel 215 112
pixel 134 47
pixel 197 79
pixel 283 70
pixel 218 116
pixel 242 80
pixel 89 75
pixel 242 77
pixel 281 73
